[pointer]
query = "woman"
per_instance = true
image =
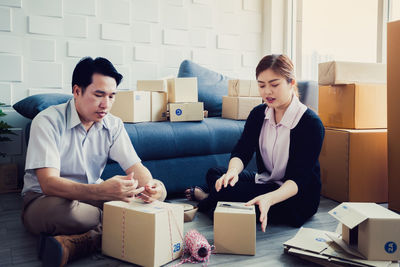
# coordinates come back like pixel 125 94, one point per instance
pixel 287 138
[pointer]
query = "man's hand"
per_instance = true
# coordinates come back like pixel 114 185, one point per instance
pixel 230 177
pixel 264 202
pixel 153 190
pixel 120 188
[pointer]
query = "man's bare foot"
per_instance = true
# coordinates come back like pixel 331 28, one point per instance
pixel 195 193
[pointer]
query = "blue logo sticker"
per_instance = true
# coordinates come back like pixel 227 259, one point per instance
pixel 345 207
pixel 390 247
pixel 335 212
pixel 320 239
pixel 178 112
pixel 177 247
pixel 138 97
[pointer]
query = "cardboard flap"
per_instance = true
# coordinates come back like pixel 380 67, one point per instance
pixel 347 215
pixel 344 246
pixel 308 239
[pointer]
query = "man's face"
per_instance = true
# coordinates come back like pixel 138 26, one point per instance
pixel 94 104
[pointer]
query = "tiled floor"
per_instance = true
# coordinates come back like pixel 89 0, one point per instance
pixel 18 247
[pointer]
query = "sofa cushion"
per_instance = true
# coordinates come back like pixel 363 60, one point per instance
pixel 163 140
pixel 30 106
pixel 211 86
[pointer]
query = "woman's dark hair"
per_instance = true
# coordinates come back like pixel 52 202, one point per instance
pixel 86 67
pixel 281 65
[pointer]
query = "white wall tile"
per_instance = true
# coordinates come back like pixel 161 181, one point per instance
pixel 45 25
pixel 52 8
pixel 251 22
pixel 168 73
pixel 5 19
pixel 115 32
pixel 225 41
pixel 204 2
pixel 148 10
pixel 6 93
pixel 229 23
pixel 146 53
pixel 113 52
pixel 175 37
pixel 82 7
pixel 227 61
pixel 226 6
pixel 202 56
pixel 250 42
pixel 176 18
pixel 10 44
pixel 115 11
pixel 252 5
pixel 43 74
pixel 126 80
pixel 201 16
pixel 198 38
pixel 43 50
pixel 175 2
pixel 45 91
pixel 11 68
pixel 75 26
pixel 80 49
pixel 12 3
pixel 143 71
pixel 142 32
pixel 174 57
pixel 249 59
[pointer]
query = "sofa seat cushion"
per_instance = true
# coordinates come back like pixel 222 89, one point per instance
pixel 164 140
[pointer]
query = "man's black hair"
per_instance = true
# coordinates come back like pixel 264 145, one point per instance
pixel 84 70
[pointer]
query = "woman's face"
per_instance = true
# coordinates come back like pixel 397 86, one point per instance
pixel 275 91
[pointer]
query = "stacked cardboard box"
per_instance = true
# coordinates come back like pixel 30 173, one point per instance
pixel 183 102
pixel 352 107
pixel 393 82
pixel 242 97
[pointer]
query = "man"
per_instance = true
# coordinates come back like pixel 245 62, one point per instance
pixel 68 149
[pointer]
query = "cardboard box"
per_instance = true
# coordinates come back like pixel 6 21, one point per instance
pixel 340 72
pixel 182 90
pixel 8 177
pixel 393 86
pixel 132 106
pixel 354 165
pixel 144 234
pixel 235 228
pixel 151 85
pixel 354 106
pixel 186 111
pixel 243 88
pixel 159 101
pixel 238 108
pixel 372 230
pixel 317 246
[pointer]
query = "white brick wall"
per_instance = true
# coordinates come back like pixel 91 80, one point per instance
pixel 42 40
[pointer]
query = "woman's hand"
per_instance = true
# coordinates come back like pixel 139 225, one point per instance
pixel 264 202
pixel 230 177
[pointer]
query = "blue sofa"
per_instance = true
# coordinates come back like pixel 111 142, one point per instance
pixel 180 153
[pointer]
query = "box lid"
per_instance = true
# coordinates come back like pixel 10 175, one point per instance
pixel 138 205
pixel 234 207
pixel 354 213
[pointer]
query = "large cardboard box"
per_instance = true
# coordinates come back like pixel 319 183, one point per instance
pixel 144 234
pixel 371 229
pixel 182 90
pixel 243 88
pixel 354 165
pixel 159 101
pixel 393 85
pixel 317 246
pixel 354 106
pixel 186 111
pixel 340 72
pixel 238 108
pixel 235 228
pixel 132 106
pixel 8 177
pixel 151 85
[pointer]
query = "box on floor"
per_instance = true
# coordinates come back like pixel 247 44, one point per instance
pixel 182 90
pixel 238 108
pixel 144 234
pixel 243 88
pixel 186 111
pixel 234 228
pixel 393 85
pixel 354 106
pixel 151 85
pixel 132 106
pixel 159 101
pixel 354 165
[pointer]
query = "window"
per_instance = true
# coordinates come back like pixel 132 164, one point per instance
pixel 394 10
pixel 336 30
